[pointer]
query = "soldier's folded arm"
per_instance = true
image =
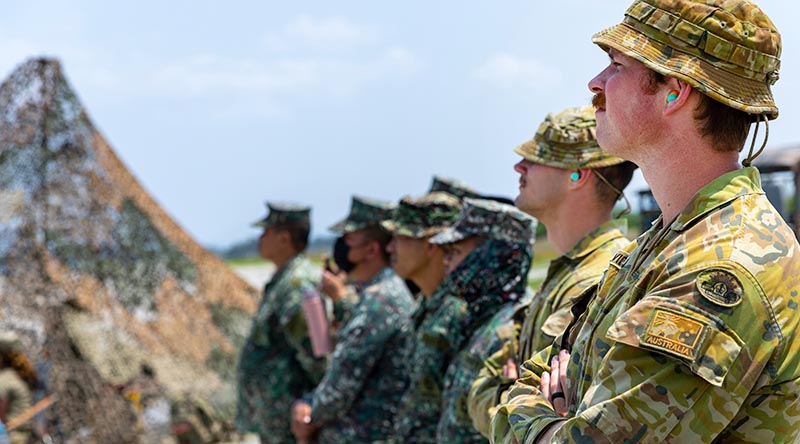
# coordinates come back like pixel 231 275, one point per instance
pixel 359 346
pixel 683 361
pixel 524 399
pixel 485 393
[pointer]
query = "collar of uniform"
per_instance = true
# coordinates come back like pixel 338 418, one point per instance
pixel 596 238
pixel 382 275
pixel 287 266
pixel 720 191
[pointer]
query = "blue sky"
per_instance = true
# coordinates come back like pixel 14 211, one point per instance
pixel 217 107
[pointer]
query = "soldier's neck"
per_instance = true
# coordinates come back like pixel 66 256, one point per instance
pixel 365 271
pixel 429 278
pixel 676 177
pixel 281 258
pixel 577 216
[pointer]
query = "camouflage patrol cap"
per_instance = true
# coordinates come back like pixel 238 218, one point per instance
pixel 423 216
pixel 9 342
pixel 489 219
pixel 285 213
pixel 452 186
pixel 364 212
pixel 567 140
pixel 728 50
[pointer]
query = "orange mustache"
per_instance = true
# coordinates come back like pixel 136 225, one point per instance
pixel 599 101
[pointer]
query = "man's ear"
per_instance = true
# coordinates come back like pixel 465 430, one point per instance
pixel 285 238
pixel 579 178
pixel 676 95
pixel 433 250
pixel 374 249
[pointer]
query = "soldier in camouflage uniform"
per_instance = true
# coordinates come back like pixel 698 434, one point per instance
pixel 570 185
pixel 438 318
pixel 357 398
pixel 693 335
pixel 277 364
pixel 489 253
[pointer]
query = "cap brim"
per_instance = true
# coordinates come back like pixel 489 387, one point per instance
pixel 530 149
pixel 404 230
pixel 390 226
pixel 261 223
pixel 750 96
pixel 346 226
pixel 448 236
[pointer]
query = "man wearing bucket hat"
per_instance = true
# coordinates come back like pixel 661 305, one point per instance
pixel 570 185
pixel 693 335
pixel 489 253
pixel 365 377
pixel 277 364
pixel 436 321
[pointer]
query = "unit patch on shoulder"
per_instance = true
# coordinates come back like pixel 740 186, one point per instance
pixel 720 287
pixel 674 333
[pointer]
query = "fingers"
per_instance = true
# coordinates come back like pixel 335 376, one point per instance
pixel 512 369
pixel 544 385
pixel 558 383
pixel 563 362
pixel 555 381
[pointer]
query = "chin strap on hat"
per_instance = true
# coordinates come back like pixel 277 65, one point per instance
pixel 750 156
pixel 619 192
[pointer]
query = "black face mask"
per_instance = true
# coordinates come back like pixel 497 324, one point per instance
pixel 340 250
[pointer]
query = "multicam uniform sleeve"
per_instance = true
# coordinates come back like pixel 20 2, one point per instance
pixel 676 367
pixel 360 344
pixel 486 392
pixel 523 400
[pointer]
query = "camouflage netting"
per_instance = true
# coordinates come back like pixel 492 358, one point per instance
pixel 114 302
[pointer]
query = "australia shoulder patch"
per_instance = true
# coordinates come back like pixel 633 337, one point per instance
pixel 674 333
pixel 720 287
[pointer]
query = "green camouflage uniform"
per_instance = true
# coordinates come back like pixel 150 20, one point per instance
pixel 364 211
pixel 693 335
pixel 565 140
pixel 357 398
pixel 539 322
pixel 491 280
pixel 436 324
pixel 277 365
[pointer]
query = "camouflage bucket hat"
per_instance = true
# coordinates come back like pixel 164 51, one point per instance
pixel 364 212
pixel 492 220
pixel 285 213
pixel 452 186
pixel 567 140
pixel 423 216
pixel 727 50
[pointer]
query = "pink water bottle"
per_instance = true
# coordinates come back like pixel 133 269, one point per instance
pixel 317 321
